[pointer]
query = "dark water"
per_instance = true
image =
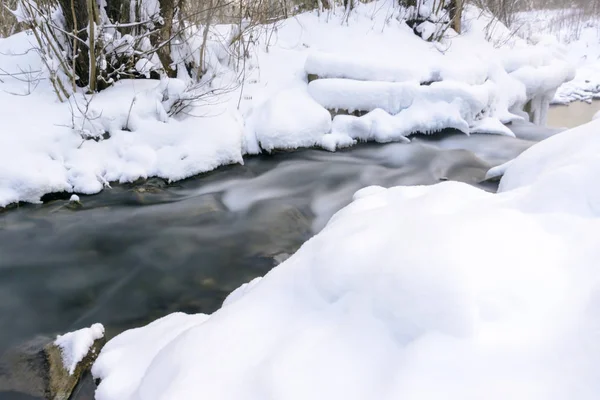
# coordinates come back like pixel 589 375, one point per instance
pixel 138 252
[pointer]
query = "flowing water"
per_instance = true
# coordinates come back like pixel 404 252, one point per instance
pixel 138 252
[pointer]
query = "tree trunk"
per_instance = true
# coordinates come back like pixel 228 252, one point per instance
pixel 201 67
pixel 118 11
pixel 76 17
pixel 456 8
pixel 92 82
pixel 162 39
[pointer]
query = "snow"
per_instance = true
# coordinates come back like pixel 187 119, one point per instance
pixel 424 292
pixel 331 65
pixel 289 120
pixel 74 346
pixel 372 63
pixel 492 126
pixel 50 153
pixel 382 127
pixel 241 291
pixel 150 342
pixel 336 140
pixel 74 199
pixel 570 159
pixel 354 95
pixel 578 34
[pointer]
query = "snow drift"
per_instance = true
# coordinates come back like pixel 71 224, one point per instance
pixel 432 292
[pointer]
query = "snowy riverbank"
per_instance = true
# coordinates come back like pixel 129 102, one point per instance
pixel 374 64
pixel 409 292
pixel 578 34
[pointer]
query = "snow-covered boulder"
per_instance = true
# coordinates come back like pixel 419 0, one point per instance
pixel 51 369
pixel 289 120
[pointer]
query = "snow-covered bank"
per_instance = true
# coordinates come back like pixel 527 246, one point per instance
pixel 443 291
pixel 579 37
pixel 412 85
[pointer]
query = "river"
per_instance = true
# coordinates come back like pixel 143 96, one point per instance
pixel 140 251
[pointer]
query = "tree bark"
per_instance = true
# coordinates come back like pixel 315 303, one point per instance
pixel 162 39
pixel 456 8
pixel 201 67
pixel 118 11
pixel 76 17
pixel 93 77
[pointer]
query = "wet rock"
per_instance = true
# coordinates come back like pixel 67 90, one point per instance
pixel 152 185
pixel 74 203
pixel 281 229
pixel 36 369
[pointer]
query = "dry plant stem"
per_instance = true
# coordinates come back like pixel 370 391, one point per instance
pixel 201 66
pixel 58 86
pixel 92 46
pixel 75 55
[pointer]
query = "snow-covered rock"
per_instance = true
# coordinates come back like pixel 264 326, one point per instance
pixel 289 120
pixel 76 345
pixel 45 367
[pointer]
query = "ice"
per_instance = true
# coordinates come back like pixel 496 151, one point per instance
pixel 74 346
pixel 491 126
pixel 382 127
pixel 424 292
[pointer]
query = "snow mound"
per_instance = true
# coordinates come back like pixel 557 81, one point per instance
pixel 130 361
pixel 74 346
pixel 336 140
pixel 331 65
pixel 568 161
pixel 291 119
pixel 408 292
pixel 351 95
